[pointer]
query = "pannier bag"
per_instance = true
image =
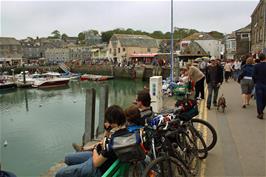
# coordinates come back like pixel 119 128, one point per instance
pixel 189 109
pixel 127 147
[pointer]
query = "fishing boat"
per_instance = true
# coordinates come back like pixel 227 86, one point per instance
pixel 50 79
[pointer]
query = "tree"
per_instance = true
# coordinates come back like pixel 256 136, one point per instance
pixel 81 38
pixel 64 36
pixel 56 34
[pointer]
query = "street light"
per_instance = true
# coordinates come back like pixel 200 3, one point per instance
pixel 172 44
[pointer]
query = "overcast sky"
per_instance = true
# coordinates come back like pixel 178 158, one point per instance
pixel 21 19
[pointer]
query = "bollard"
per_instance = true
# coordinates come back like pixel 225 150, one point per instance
pixel 104 92
pixel 89 115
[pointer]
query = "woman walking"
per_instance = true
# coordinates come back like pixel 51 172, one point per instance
pixel 246 81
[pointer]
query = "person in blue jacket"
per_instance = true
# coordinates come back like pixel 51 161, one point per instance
pixel 246 81
pixel 259 78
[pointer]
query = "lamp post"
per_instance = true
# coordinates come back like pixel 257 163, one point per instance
pixel 172 44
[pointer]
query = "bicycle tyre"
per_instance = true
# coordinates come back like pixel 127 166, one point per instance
pixel 159 161
pixel 210 144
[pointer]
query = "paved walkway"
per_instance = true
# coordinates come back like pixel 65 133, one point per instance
pixel 241 146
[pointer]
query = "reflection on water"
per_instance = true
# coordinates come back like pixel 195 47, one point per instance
pixel 40 125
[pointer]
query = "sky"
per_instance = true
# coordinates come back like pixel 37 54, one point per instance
pixel 21 19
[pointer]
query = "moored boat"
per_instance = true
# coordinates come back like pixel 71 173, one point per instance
pixel 50 79
pixel 95 77
pixel 6 84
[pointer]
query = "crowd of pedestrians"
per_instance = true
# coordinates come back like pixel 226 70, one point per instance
pixel 250 73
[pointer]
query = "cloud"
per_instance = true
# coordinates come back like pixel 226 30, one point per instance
pixel 39 18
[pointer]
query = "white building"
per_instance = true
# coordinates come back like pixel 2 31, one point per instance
pixel 212 46
pixel 230 46
pixel 57 54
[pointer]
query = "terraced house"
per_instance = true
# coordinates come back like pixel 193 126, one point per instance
pixel 10 52
pixel 122 46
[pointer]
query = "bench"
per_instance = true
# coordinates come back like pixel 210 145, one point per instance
pixel 117 169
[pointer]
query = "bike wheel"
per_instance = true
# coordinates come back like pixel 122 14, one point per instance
pixel 187 152
pixel 198 140
pixel 165 166
pixel 207 131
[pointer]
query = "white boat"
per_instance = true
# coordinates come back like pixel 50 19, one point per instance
pixel 50 79
pixel 6 83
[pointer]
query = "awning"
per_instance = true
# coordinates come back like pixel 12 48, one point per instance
pixel 137 55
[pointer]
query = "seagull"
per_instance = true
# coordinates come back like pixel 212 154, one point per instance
pixel 5 143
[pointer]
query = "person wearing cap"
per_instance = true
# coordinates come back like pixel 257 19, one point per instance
pixel 198 77
pixel 214 79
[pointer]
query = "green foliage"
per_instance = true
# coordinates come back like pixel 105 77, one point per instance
pixel 216 34
pixel 64 36
pixel 56 34
pixel 81 38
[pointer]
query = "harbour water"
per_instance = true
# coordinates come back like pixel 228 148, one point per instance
pixel 40 125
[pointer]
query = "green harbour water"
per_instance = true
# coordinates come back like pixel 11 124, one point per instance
pixel 40 125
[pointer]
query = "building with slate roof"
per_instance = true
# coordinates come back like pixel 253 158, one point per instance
pixel 122 46
pixel 10 51
pixel 230 46
pixel 212 46
pixel 258 28
pixel 243 41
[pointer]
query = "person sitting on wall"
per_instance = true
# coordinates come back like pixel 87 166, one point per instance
pixel 143 102
pixel 94 163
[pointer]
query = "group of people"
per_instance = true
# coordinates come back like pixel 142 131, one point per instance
pixel 213 74
pixel 252 79
pixel 250 73
pixel 94 161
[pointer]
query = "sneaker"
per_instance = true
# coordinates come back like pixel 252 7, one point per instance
pixel 77 147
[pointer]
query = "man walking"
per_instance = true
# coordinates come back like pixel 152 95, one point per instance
pixel 260 85
pixel 214 79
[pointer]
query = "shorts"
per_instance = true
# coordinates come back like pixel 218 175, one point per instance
pixel 247 86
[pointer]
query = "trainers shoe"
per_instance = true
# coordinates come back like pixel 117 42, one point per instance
pixel 77 147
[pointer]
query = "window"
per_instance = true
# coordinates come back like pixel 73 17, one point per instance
pixel 110 50
pixel 148 50
pixel 124 49
pixel 233 44
pixel 118 50
pixel 244 36
pixel 261 34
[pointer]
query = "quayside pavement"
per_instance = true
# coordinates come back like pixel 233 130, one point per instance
pixel 241 145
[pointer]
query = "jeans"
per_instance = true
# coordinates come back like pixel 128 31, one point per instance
pixel 199 88
pixel 236 74
pixel 6 174
pixel 79 165
pixel 260 97
pixel 212 88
